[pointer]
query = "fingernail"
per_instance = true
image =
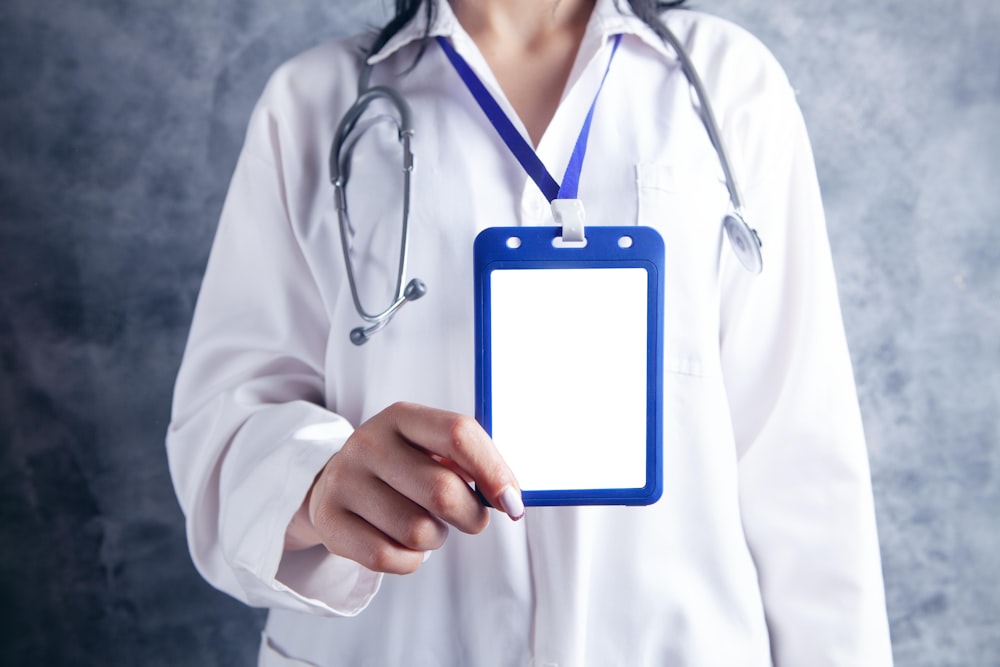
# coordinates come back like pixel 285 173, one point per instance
pixel 511 503
pixel 427 555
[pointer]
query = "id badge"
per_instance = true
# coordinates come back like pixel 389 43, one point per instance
pixel 569 361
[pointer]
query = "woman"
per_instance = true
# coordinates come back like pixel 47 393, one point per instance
pixel 320 479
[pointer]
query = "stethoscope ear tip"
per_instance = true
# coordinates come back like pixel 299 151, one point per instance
pixel 746 244
pixel 415 289
pixel 359 336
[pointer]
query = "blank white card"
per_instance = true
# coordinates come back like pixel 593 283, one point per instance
pixel 569 373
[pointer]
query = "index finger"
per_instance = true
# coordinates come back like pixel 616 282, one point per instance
pixel 460 439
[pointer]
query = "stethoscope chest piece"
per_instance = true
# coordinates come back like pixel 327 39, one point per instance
pixel 746 244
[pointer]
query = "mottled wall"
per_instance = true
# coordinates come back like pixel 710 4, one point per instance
pixel 119 126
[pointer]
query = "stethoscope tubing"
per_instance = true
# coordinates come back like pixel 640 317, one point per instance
pixel 708 115
pixel 744 239
pixel 339 165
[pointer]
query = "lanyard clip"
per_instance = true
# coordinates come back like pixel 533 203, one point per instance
pixel 569 214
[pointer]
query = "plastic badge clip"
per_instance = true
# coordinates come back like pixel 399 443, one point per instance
pixel 569 214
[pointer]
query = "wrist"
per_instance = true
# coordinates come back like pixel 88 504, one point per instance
pixel 301 534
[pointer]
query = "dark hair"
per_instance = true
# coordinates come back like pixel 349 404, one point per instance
pixel 647 10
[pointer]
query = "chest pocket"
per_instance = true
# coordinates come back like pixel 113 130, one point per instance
pixel 686 204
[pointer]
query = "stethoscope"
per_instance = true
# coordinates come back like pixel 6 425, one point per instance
pixel 743 239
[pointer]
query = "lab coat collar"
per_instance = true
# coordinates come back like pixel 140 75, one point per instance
pixel 610 17
pixel 615 17
pixel 443 22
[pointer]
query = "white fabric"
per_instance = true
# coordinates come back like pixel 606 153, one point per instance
pixel 763 547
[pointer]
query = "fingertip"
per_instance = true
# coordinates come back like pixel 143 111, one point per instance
pixel 511 503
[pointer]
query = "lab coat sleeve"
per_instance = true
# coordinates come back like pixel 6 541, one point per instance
pixel 249 431
pixel 805 488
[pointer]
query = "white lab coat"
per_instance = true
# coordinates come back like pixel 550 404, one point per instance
pixel 763 547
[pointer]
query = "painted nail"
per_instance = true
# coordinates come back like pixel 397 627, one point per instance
pixel 511 503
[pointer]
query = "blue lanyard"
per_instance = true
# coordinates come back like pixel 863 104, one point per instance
pixel 523 151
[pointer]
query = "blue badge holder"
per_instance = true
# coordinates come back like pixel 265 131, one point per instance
pixel 569 361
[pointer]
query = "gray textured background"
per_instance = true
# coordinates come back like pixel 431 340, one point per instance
pixel 119 127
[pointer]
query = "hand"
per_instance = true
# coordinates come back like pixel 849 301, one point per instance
pixel 388 497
